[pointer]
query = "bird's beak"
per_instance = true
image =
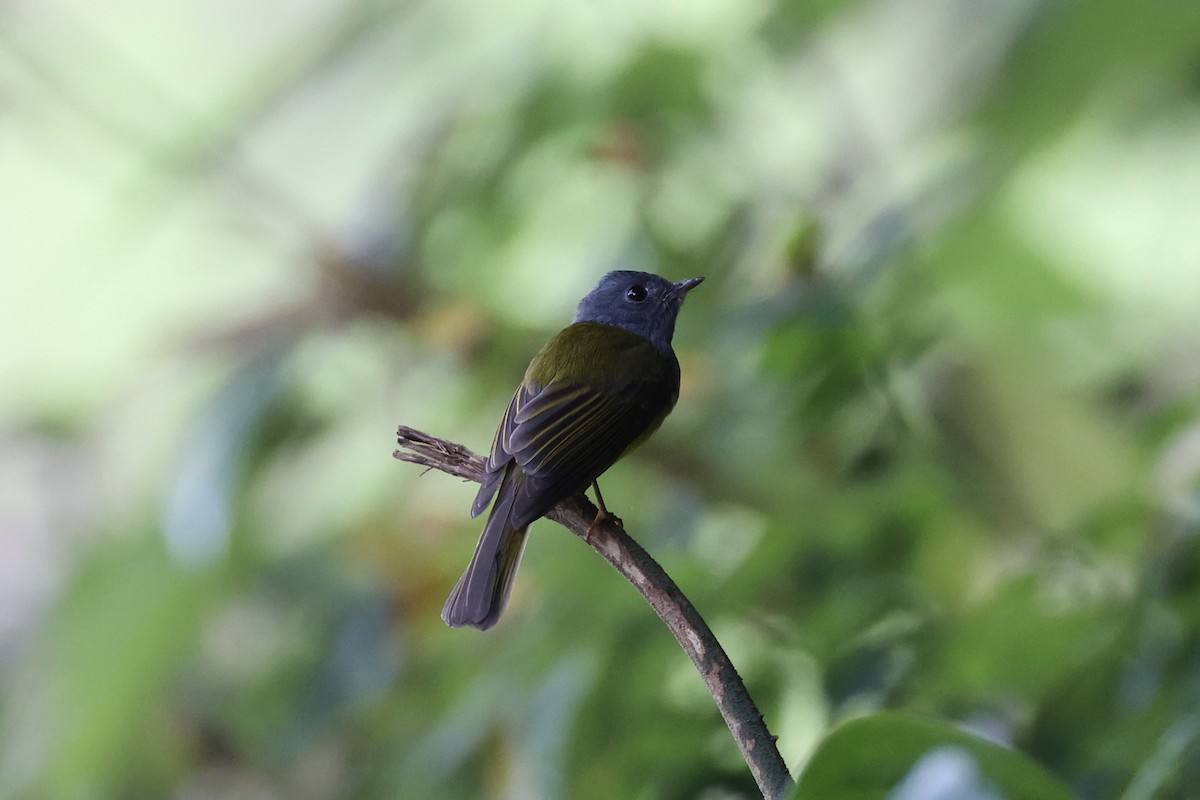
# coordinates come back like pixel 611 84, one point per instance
pixel 680 290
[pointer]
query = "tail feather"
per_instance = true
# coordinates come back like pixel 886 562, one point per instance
pixel 481 593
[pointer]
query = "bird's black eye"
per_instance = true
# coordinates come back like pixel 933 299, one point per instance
pixel 636 293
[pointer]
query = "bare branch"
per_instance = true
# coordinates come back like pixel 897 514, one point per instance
pixel 576 514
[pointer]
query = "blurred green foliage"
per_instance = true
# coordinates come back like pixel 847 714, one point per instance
pixel 935 467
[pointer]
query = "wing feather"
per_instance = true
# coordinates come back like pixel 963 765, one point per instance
pixel 562 434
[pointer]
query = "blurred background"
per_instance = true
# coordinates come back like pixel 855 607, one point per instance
pixel 937 449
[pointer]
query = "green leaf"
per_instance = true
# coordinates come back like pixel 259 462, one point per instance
pixel 121 635
pixel 900 756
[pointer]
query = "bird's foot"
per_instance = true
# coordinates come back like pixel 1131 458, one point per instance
pixel 602 516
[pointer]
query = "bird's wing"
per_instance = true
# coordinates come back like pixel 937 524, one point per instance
pixel 563 436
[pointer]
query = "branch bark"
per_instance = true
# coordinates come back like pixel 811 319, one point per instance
pixel 576 514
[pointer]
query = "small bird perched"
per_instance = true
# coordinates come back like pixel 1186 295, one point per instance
pixel 595 391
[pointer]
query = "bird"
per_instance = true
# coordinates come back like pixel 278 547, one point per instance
pixel 595 391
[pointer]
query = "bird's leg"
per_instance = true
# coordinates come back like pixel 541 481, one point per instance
pixel 601 514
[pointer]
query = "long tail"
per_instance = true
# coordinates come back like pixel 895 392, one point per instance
pixel 482 591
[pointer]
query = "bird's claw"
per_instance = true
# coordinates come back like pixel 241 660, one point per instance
pixel 602 516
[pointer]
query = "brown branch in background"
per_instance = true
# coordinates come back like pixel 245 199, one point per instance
pixel 576 514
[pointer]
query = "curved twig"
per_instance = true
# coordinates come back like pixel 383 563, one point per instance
pixel 576 514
